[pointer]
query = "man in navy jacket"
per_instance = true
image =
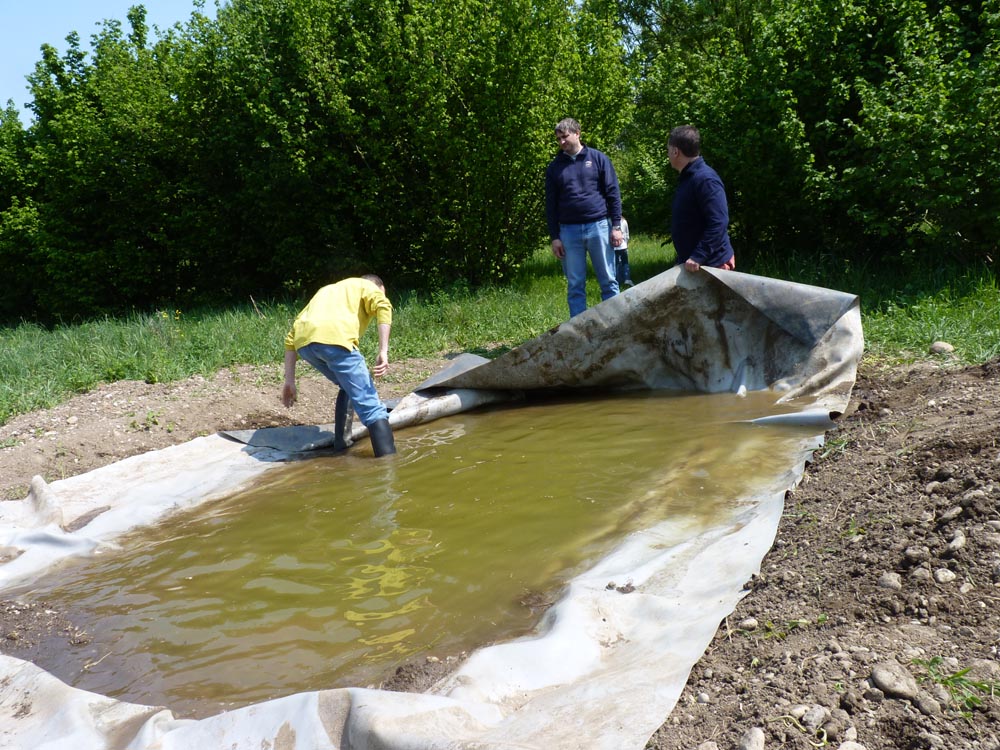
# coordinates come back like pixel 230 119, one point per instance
pixel 583 208
pixel 699 221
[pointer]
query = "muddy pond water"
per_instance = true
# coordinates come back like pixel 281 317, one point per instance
pixel 331 572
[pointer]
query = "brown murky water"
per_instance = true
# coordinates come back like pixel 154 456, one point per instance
pixel 338 569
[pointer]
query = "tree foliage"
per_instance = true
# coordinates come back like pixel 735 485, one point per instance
pixel 860 129
pixel 288 142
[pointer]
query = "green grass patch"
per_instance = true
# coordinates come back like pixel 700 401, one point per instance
pixel 902 313
pixel 905 309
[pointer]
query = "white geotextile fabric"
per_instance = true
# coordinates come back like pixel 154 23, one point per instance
pixel 605 668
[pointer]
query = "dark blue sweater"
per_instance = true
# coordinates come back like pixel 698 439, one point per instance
pixel 581 190
pixel 700 218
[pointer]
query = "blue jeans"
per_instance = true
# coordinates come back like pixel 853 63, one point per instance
pixel 581 240
pixel 348 369
pixel 623 271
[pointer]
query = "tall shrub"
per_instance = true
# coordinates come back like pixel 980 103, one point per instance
pixel 405 136
pixel 861 130
pixel 290 141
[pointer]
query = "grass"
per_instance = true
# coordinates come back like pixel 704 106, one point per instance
pixel 906 309
pixel 39 368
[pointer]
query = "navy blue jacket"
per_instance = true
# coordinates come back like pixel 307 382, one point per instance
pixel 700 218
pixel 581 190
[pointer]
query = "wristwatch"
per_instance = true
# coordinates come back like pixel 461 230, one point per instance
pixel 616 229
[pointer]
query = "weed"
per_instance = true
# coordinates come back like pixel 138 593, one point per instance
pixel 854 529
pixel 834 447
pixel 965 693
pixel 150 421
pixel 781 631
pixel 819 734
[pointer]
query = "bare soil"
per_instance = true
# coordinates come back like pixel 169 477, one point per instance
pixel 882 589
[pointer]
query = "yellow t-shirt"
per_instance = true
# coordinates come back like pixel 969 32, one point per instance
pixel 338 314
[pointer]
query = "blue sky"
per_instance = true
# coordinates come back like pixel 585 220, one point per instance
pixel 25 25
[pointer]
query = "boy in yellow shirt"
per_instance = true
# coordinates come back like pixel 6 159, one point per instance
pixel 325 334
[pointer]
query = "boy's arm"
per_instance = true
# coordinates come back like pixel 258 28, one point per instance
pixel 289 393
pixel 382 360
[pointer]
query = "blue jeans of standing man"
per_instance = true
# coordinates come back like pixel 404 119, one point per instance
pixel 581 240
pixel 348 369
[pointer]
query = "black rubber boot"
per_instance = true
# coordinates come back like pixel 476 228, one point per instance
pixel 341 421
pixel 382 441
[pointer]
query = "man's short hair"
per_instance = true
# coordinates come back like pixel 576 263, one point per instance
pixel 374 279
pixel 567 125
pixel 687 139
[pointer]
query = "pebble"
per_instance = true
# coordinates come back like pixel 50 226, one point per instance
pixel 957 542
pixel 873 695
pixel 890 581
pixel 752 740
pixel 748 623
pixel 972 496
pixel 940 692
pixel 941 347
pixel 815 716
pixel 797 712
pixel 928 705
pixel 851 745
pixel 985 670
pixel 943 575
pixel 951 514
pixel 893 679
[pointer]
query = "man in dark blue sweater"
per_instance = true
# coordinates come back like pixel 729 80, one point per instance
pixel 699 222
pixel 583 207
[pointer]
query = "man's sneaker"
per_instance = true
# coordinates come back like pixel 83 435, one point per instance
pixel 628 283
